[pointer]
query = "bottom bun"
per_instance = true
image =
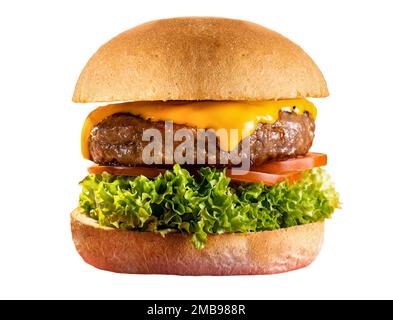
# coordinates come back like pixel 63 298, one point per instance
pixel 265 252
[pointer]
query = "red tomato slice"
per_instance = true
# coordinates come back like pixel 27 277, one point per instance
pixel 127 171
pixel 268 179
pixel 235 174
pixel 308 161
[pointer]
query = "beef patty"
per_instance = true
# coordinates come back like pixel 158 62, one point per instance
pixel 117 140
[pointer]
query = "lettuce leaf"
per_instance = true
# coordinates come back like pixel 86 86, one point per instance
pixel 176 201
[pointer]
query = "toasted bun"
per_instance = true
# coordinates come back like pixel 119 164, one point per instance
pixel 227 254
pixel 199 58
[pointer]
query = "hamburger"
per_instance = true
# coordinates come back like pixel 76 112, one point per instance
pixel 201 162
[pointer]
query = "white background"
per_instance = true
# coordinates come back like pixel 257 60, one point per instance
pixel 43 47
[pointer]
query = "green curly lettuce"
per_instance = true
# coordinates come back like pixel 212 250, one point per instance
pixel 177 202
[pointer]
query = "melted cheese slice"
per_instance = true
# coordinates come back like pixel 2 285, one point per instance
pixel 240 115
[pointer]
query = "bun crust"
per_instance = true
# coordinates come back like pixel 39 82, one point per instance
pixel 135 252
pixel 199 58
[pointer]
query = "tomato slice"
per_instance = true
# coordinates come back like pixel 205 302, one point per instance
pixel 127 171
pixel 308 161
pixel 236 175
pixel 268 179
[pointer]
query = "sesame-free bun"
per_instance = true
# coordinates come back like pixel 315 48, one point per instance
pixel 137 252
pixel 199 58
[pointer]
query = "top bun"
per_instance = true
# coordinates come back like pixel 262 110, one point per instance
pixel 199 58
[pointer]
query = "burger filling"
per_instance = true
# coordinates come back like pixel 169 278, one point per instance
pixel 272 192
